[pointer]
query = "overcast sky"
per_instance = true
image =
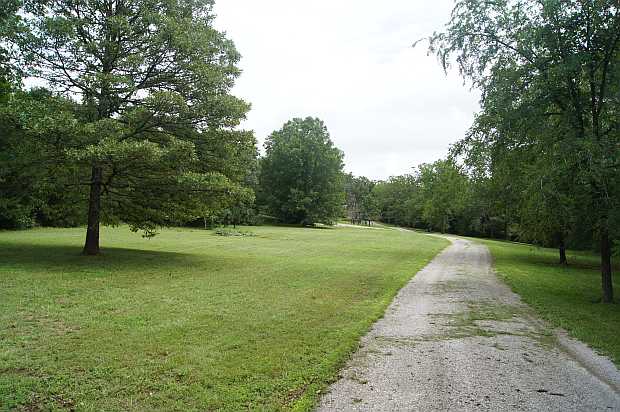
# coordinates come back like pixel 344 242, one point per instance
pixel 388 106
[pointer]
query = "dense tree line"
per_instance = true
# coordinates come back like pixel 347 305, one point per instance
pixel 362 202
pixel 437 196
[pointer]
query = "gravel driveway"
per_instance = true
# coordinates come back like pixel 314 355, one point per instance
pixel 456 338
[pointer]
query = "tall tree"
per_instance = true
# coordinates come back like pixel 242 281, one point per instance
pixel 507 150
pixel 153 80
pixel 301 174
pixel 567 52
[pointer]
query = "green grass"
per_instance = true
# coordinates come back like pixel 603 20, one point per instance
pixel 190 320
pixel 568 297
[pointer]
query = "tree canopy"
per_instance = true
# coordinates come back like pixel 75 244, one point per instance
pixel 301 175
pixel 361 200
pixel 549 72
pixel 150 80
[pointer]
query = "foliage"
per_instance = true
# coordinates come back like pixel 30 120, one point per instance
pixel 434 197
pixel 443 191
pixel 9 72
pixel 361 200
pixel 549 72
pixel 36 179
pixel 301 174
pixel 225 231
pixel 152 80
pixel 398 201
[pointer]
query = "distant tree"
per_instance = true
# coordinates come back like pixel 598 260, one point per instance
pixel 152 78
pixel 443 193
pixel 565 57
pixel 235 155
pixel 301 175
pixel 362 205
pixel 397 201
pixel 370 207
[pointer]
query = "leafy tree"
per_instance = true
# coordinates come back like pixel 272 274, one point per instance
pixel 397 201
pixel 152 78
pixel 235 154
pixel 443 193
pixel 8 72
pixel 507 153
pixel 301 174
pixel 564 55
pixel 361 200
pixel 35 179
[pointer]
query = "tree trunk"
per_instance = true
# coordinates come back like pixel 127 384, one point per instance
pixel 91 247
pixel 562 247
pixel 608 290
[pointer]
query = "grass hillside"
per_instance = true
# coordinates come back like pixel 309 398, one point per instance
pixel 190 320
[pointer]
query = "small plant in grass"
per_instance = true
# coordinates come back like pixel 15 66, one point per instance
pixel 226 231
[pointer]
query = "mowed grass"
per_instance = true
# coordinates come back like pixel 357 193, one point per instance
pixel 190 320
pixel 566 296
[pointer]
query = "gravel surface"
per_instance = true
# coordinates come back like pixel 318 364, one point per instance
pixel 456 338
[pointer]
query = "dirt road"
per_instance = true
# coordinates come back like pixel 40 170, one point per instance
pixel 456 338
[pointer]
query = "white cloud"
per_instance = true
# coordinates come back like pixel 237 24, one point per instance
pixel 387 105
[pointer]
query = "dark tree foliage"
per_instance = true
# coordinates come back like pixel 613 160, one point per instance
pixel 37 182
pixel 397 201
pixel 301 175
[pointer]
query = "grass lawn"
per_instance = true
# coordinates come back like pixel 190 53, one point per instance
pixel 190 320
pixel 566 296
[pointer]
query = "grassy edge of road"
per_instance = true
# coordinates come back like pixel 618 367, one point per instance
pixel 567 297
pixel 189 320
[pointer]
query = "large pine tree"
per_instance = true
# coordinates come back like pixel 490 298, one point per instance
pixel 152 79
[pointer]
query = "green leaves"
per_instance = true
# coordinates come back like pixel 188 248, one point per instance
pixel 301 177
pixel 549 72
pixel 362 201
pixel 151 109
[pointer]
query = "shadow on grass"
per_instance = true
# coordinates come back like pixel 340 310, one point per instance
pixel 31 257
pixel 540 258
pixel 300 226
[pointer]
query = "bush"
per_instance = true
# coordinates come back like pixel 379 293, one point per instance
pixel 225 231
